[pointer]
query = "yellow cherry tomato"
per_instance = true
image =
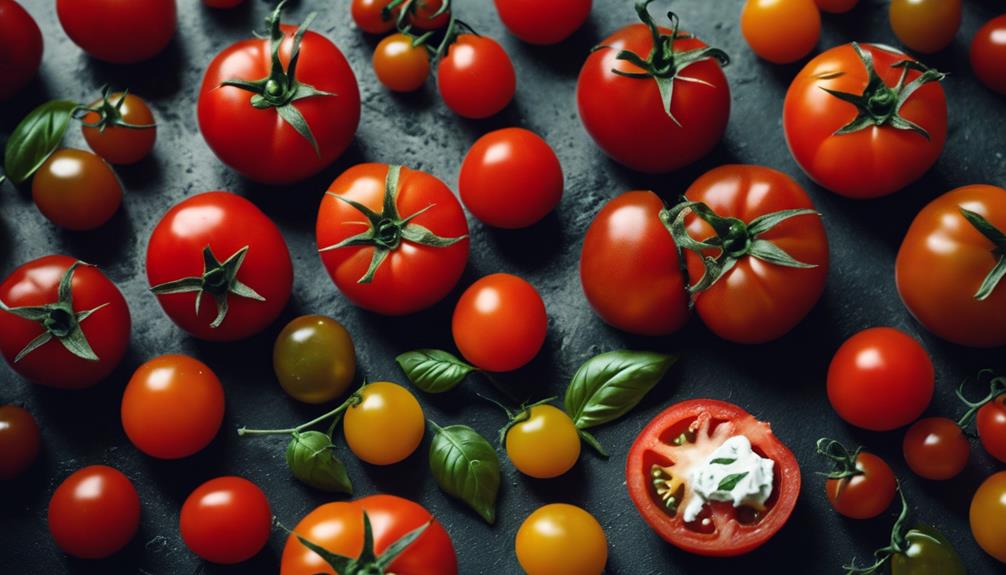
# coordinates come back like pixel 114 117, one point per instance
pixel 387 424
pixel 314 359
pixel 925 26
pixel 545 444
pixel 561 539
pixel 781 31
pixel 988 516
pixel 399 65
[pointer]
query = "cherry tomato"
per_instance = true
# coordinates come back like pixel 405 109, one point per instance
pixel 413 271
pixel 927 552
pixel 781 31
pixel 988 54
pixel 862 486
pixel 399 65
pixel 925 26
pixel 547 536
pixel 19 441
pixel 94 513
pixel 314 359
pixel 476 78
pixel 91 317
pixel 422 14
pixel 544 445
pixel 880 379
pixel 226 520
pixel 122 130
pixel 222 3
pixel 219 266
pixel 992 427
pixel 116 31
pixel 369 15
pixel 874 147
pixel 21 50
pixel 543 22
pixel 172 407
pixel 76 190
pixel 510 178
pixel 936 448
pixel 988 516
pixel 499 323
pixel 387 424
pixel 836 6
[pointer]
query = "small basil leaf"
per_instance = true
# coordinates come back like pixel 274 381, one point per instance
pixel 731 481
pixel 309 456
pixel 433 370
pixel 36 138
pixel 465 465
pixel 722 461
pixel 608 385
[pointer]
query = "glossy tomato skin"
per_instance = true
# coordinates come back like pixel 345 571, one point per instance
pixel 836 6
pixel 630 270
pixel 338 527
pixel 94 513
pixel 943 261
pixel 367 14
pixel 386 426
pixel 866 495
pixel 76 190
pixel 414 276
pixel 255 142
pixel 476 78
pixel 781 32
pixel 991 423
pixel 21 51
pixel 873 162
pixel 936 448
pixel 314 359
pixel 107 330
pixel 626 118
pixel 545 445
pixel 117 144
pixel 543 22
pixel 925 26
pixel 547 536
pixel 226 223
pixel 988 516
pixel 226 520
pixel 399 65
pixel 988 54
pixel 118 31
pixel 19 441
pixel 756 302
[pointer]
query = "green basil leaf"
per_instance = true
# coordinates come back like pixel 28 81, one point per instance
pixel 309 456
pixel 731 481
pixel 608 385
pixel 36 138
pixel 433 370
pixel 465 465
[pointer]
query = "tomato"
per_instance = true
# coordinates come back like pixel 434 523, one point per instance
pixel 19 441
pixel 627 116
pixel 880 379
pixel 988 54
pixel 884 140
pixel 510 178
pixel 76 190
pixel 499 323
pixel 222 3
pixel 314 359
pixel 120 128
pixel 545 444
pixel 21 50
pixel 386 425
pixel 219 266
pixel 680 438
pixel 59 298
pixel 925 26
pixel 94 513
pixel 273 122
pixel 117 31
pixel 475 77
pixel 757 294
pixel 543 22
pixel 423 14
pixel 862 485
pixel 836 6
pixel 781 32
pixel 936 448
pixel 399 65
pixel 172 407
pixel 992 427
pixel 226 520
pixel 547 537
pixel 927 552
pixel 401 270
pixel 947 266
pixel 369 14
pixel 988 516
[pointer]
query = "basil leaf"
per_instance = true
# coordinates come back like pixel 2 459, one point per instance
pixel 723 461
pixel 731 481
pixel 433 370
pixel 309 456
pixel 608 385
pixel 465 465
pixel 36 138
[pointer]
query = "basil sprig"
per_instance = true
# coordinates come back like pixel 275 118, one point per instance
pixel 465 465
pixel 311 458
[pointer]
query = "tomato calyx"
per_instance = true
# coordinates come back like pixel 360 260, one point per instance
pixel 997 237
pixel 997 388
pixel 369 562
pixel 515 418
pixel 109 113
pixel 901 540
pixel 409 8
pixel 844 460
pixel 59 320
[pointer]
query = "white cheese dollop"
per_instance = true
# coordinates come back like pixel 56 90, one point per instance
pixel 732 473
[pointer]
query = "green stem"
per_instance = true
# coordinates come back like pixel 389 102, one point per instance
pixel 350 402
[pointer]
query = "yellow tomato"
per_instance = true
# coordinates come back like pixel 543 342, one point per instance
pixel 988 516
pixel 781 31
pixel 561 539
pixel 386 426
pixel 925 26
pixel 545 444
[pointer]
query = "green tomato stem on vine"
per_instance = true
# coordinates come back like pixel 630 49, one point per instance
pixel 350 402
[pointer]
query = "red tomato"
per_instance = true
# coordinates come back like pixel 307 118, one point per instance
pixel 76 190
pixel 944 263
pixel 935 448
pixel 118 31
pixel 219 267
pixel 422 14
pixel 627 117
pixel 862 485
pixel 510 178
pixel 543 22
pixel 880 379
pixel 94 513
pixel 226 520
pixel 369 14
pixel 19 441
pixel 21 49
pixel 97 329
pixel 252 128
pixel 476 78
pixel 988 54
pixel 992 427
pixel 338 528
pixel 880 149
pixel 413 271
pixel 120 128
pixel 781 32
pixel 630 270
pixel 399 65
pixel 680 438
pixel 836 6
pixel 172 407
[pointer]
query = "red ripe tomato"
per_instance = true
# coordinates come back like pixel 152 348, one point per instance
pixel 369 14
pixel 681 438
pixel 120 128
pixel 94 513
pixel 63 323
pixel 992 427
pixel 389 263
pixel 836 6
pixel 781 32
pixel 630 270
pixel 219 267
pixel 543 22
pixel 988 54
pixel 21 49
pixel 399 65
pixel 226 520
pixel 510 178
pixel 948 264
pixel 862 485
pixel 338 528
pixel 852 128
pixel 936 448
pixel 118 31
pixel 880 379
pixel 76 190
pixel 476 78
pixel 19 441
pixel 630 117
pixel 499 323
pixel 275 123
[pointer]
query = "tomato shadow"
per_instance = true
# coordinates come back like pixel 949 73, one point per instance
pixel 36 92
pixel 531 249
pixel 564 59
pixel 155 79
pixel 236 20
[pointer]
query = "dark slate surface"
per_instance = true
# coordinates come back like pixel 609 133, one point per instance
pixel 782 382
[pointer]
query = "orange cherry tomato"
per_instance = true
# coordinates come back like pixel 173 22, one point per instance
pixel 547 537
pixel 113 141
pixel 399 65
pixel 988 54
pixel 988 516
pixel 781 31
pixel 925 26
pixel 76 190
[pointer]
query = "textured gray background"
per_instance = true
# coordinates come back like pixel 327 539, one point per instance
pixel 782 382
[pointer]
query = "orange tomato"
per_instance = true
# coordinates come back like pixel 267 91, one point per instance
pixel 781 31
